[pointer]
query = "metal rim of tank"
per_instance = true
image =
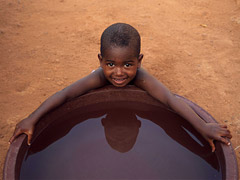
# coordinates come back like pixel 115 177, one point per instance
pixel 17 149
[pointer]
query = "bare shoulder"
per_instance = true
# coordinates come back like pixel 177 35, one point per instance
pixel 142 77
pixel 92 81
pixel 148 82
pixel 96 78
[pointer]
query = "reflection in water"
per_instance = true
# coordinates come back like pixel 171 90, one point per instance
pixel 121 129
pixel 149 142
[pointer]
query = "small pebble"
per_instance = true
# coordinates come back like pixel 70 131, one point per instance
pixel 203 25
pixel 18 25
pixel 188 53
pixel 60 83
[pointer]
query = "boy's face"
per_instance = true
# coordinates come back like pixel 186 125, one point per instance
pixel 120 65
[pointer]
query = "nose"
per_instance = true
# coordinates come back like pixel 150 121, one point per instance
pixel 118 71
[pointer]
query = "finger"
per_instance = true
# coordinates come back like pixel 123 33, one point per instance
pixel 229 136
pixel 11 139
pixel 212 145
pixel 225 141
pixel 225 132
pixel 15 135
pixel 223 125
pixel 29 138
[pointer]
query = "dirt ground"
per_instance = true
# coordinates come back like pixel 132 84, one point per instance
pixel 193 47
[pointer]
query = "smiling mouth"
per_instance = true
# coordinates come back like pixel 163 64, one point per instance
pixel 119 80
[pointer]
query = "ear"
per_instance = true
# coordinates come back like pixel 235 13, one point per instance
pixel 100 58
pixel 140 57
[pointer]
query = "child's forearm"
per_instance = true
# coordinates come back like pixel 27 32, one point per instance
pixel 78 88
pixel 210 131
pixel 186 112
pixel 49 104
pixel 27 125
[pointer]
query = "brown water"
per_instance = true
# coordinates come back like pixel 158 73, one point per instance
pixel 120 142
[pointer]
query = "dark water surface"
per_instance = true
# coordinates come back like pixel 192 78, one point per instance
pixel 120 142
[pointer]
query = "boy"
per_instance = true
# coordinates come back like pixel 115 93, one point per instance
pixel 120 65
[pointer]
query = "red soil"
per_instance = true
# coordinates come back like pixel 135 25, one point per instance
pixel 193 47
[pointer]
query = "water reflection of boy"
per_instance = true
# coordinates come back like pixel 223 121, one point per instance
pixel 121 129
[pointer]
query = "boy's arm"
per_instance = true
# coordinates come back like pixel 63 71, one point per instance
pixel 210 131
pixel 92 81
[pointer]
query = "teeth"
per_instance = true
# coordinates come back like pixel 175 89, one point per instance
pixel 119 80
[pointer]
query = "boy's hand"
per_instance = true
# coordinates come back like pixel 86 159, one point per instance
pixel 25 126
pixel 214 131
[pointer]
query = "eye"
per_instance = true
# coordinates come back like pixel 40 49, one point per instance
pixel 127 65
pixel 110 64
